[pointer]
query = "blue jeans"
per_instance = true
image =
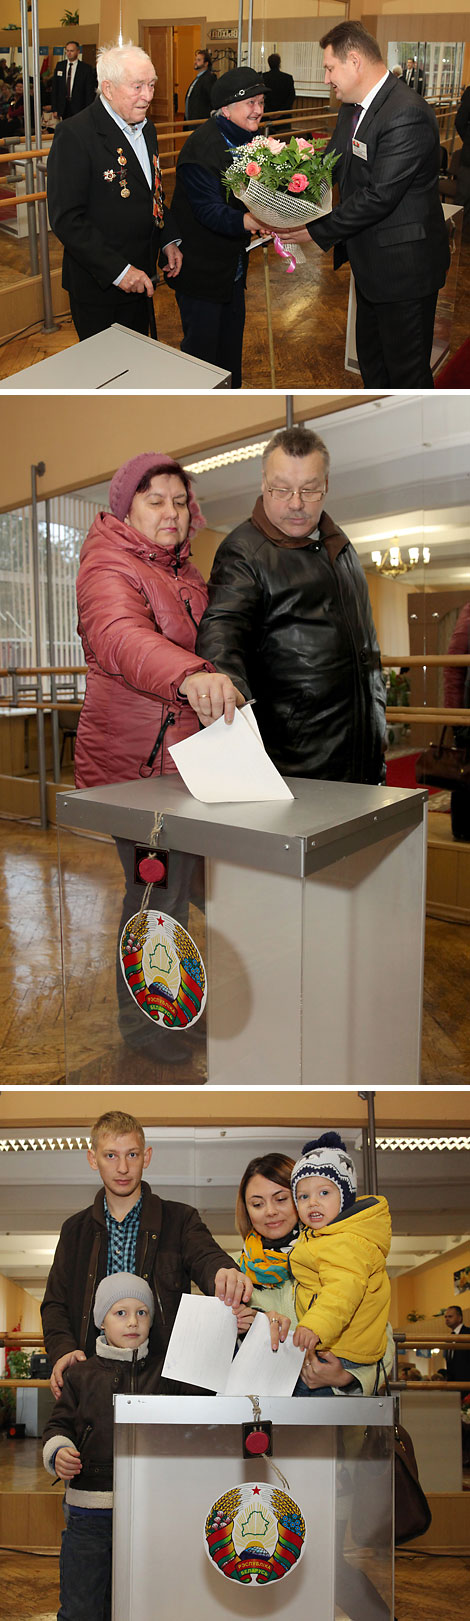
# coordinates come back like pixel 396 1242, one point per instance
pixel 85 1568
pixel 301 1389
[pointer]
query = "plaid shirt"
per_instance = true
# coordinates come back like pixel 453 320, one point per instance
pixel 122 1238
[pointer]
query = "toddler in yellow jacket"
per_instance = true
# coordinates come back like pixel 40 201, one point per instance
pixel 342 1292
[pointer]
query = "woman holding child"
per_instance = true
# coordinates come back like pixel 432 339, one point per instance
pixel 324 1274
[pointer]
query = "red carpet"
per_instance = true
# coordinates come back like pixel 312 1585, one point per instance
pixel 456 373
pixel 401 772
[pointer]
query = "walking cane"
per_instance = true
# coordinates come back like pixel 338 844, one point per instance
pixel 152 321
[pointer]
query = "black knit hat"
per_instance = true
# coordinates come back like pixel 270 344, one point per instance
pixel 238 85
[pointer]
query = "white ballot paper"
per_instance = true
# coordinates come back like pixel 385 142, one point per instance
pixel 229 764
pixel 256 1367
pixel 201 1350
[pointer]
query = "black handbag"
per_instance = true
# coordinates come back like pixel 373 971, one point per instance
pixel 444 765
pixel 412 1512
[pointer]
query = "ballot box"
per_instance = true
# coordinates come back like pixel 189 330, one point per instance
pixel 204 1533
pixel 118 359
pixel 266 952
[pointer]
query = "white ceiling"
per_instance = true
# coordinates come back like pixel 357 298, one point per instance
pixel 397 463
pixel 428 1191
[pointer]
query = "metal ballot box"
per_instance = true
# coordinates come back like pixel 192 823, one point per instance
pixel 205 1534
pixel 272 945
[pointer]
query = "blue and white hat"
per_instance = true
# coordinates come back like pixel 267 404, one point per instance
pixel 327 1156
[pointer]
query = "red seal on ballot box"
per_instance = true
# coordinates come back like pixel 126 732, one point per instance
pixel 163 970
pixel 255 1534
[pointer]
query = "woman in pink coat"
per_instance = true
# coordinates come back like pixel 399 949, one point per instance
pixel 140 600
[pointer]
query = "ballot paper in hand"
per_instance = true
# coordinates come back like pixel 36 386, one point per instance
pixel 228 764
pixel 257 1367
pixel 201 1352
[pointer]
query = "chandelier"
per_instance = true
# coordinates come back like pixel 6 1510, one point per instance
pixel 391 563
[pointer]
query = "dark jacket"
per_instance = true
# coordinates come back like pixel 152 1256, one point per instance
pixel 293 628
pixel 83 88
pixel 389 222
pixel 101 230
pixel 174 1247
pixel 210 257
pixel 462 125
pixel 280 91
pixel 458 1358
pixel 199 101
pixel 83 1415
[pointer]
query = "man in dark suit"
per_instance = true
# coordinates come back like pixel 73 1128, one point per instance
pixel 457 1359
pixel 73 84
pixel 413 76
pixel 389 222
pixel 197 101
pixel 462 125
pixel 106 200
pixel 280 90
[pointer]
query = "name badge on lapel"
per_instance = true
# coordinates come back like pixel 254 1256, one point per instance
pixel 359 148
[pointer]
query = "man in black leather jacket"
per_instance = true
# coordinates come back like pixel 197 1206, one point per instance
pixel 289 620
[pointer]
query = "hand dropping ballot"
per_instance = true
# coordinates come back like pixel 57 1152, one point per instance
pixel 202 1345
pixel 229 764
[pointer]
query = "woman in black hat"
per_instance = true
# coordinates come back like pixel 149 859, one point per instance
pixel 211 285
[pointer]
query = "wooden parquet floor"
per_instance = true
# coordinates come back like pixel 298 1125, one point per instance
pixel 427 1588
pixel 31 1027
pixel 309 313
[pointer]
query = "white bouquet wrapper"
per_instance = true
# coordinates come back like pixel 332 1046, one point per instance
pixel 279 209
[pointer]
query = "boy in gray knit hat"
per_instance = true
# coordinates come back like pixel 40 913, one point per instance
pixel 78 1439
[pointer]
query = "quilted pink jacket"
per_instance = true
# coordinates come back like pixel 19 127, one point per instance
pixel 139 607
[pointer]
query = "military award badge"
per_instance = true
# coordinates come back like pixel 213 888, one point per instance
pixel 163 970
pixel 255 1534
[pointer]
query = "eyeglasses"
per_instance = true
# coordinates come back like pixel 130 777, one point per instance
pixel 308 497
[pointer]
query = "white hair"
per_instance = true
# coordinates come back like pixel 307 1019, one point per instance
pixel 112 60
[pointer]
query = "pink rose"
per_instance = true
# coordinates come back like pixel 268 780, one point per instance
pixel 304 146
pixel 299 182
pixel 274 145
pixel 252 169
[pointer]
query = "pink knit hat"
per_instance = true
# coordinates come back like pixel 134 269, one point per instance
pixel 127 479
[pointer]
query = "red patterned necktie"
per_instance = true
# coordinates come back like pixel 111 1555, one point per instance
pixel 68 82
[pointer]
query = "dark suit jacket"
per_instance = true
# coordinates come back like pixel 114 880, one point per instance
pixel 101 230
pixel 83 88
pixel 199 104
pixel 462 125
pixel 458 1358
pixel 280 90
pixel 416 81
pixel 389 222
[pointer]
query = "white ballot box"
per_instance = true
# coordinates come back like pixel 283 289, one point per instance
pixel 204 1533
pixel 268 951
pixel 119 359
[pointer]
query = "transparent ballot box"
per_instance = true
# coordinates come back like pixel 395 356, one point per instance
pixel 203 1533
pixel 268 949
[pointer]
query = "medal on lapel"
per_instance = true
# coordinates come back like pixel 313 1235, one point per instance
pixel 158 192
pixel 122 177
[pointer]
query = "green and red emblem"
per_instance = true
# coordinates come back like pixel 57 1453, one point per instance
pixel 163 970
pixel 255 1534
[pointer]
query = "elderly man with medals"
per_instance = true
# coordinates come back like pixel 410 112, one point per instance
pixel 106 202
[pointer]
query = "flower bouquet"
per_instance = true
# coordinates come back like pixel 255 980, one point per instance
pixel 282 183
